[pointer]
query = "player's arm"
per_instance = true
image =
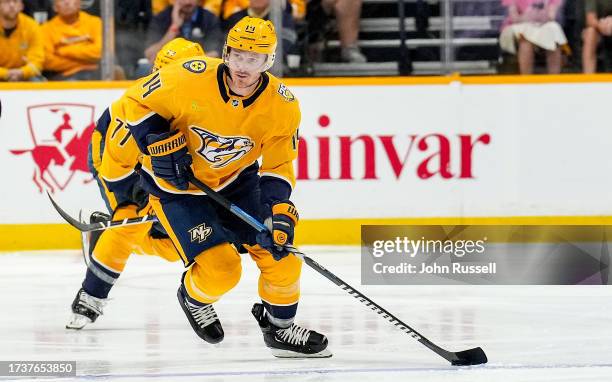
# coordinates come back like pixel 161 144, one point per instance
pixel 150 106
pixel 276 184
pixel 277 175
pixel 116 164
pixel 118 182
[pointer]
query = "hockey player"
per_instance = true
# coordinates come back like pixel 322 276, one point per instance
pixel 114 156
pixel 216 118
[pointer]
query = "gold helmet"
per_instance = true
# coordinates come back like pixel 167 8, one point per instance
pixel 252 34
pixel 176 49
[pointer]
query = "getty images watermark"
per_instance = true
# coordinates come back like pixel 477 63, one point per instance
pixel 485 254
pixel 404 246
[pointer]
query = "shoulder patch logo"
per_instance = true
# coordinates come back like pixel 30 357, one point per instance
pixel 285 93
pixel 195 66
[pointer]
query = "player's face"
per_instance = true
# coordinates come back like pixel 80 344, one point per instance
pixel 67 7
pixel 9 9
pixel 245 67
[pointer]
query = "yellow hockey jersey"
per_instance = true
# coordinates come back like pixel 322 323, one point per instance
pixel 23 49
pixel 225 133
pixel 121 153
pixel 115 155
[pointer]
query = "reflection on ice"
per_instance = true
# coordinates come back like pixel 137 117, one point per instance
pixel 529 333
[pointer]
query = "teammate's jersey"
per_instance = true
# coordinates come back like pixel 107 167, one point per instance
pixel 225 133
pixel 115 154
pixel 121 153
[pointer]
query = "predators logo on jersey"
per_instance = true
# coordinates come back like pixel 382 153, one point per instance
pixel 221 151
pixel 195 66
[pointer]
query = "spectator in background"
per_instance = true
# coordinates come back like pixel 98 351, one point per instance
pixel 187 19
pixel 226 8
pixel 598 28
pixel 531 24
pixel 298 9
pixel 229 7
pixel 40 10
pixel 21 46
pixel 132 18
pixel 73 43
pixel 261 9
pixel 214 6
pixel 93 6
pixel 348 15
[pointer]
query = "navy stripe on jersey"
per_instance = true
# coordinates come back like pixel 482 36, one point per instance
pixel 273 189
pixel 221 83
pixel 103 123
pixel 123 189
pixel 265 80
pixel 154 124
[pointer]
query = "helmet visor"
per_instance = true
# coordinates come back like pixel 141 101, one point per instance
pixel 243 61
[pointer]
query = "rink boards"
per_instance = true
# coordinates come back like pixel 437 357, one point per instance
pixel 450 150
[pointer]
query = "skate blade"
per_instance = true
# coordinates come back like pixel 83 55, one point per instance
pixel 77 322
pixel 280 353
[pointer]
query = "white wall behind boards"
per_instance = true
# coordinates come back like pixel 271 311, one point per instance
pixel 366 151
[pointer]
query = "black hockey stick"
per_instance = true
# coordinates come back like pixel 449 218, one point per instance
pixel 475 356
pixel 88 227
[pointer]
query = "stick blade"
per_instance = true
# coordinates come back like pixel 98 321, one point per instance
pixel 69 219
pixel 475 356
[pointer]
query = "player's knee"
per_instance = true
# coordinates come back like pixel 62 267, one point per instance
pixel 221 265
pixel 285 272
pixel 280 284
pixel 113 249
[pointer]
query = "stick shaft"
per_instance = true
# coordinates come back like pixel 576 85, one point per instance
pixel 108 224
pixel 324 272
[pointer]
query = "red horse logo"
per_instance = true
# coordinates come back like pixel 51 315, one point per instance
pixel 59 148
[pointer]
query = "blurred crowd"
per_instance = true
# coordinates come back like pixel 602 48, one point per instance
pixel 534 26
pixel 62 39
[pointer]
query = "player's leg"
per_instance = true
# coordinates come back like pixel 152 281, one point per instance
pixel 279 290
pixel 279 281
pixel 155 241
pixel 213 264
pixel 107 258
pixel 87 307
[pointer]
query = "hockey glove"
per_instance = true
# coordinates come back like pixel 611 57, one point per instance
pixel 281 227
pixel 170 158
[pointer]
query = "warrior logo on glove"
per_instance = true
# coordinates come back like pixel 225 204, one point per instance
pixel 219 150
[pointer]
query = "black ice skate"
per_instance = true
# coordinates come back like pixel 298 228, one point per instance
pixel 291 342
pixel 203 319
pixel 85 310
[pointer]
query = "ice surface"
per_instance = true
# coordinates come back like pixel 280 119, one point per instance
pixel 530 333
